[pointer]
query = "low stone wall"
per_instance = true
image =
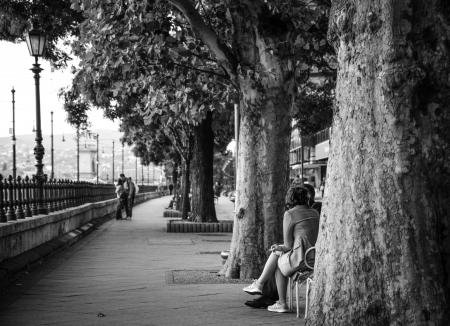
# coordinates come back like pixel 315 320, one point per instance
pixel 18 237
pixel 180 226
pixel 172 213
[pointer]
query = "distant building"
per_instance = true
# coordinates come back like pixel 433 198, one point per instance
pixel 315 156
pixel 88 166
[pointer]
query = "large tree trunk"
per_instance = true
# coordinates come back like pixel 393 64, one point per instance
pixel 266 85
pixel 176 190
pixel 262 181
pixel 203 209
pixel 185 189
pixel 383 252
pixel 175 179
pixel 262 64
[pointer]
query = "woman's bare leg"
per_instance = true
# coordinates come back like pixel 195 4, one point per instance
pixel 269 268
pixel 281 286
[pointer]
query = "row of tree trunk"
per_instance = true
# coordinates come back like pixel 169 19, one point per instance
pixel 383 252
pixel 198 175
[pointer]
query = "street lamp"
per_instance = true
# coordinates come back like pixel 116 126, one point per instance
pixel 36 41
pixel 14 133
pixel 113 162
pixel 78 153
pixel 52 174
pixel 97 157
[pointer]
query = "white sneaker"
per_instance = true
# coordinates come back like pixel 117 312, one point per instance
pixel 277 307
pixel 253 288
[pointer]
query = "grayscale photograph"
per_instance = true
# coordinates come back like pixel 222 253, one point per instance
pixel 225 162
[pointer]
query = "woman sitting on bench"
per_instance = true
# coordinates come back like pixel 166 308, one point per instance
pixel 300 229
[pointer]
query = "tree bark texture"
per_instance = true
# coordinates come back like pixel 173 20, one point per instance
pixel 266 83
pixel 185 188
pixel 383 251
pixel 175 180
pixel 176 188
pixel 262 182
pixel 203 209
pixel 260 63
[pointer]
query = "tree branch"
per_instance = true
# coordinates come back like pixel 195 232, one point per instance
pixel 200 57
pixel 200 70
pixel 207 35
pixel 177 143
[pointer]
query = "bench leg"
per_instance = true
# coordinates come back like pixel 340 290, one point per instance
pixel 290 285
pixel 308 282
pixel 297 298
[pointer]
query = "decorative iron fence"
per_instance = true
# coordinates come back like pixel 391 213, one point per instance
pixel 19 197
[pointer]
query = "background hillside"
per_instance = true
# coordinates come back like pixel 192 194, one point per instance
pixel 65 156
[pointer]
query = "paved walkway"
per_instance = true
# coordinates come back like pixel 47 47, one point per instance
pixel 121 274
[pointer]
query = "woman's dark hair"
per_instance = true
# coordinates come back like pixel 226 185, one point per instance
pixel 296 195
pixel 311 194
pixel 119 182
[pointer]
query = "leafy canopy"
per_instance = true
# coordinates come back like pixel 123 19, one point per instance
pixel 56 18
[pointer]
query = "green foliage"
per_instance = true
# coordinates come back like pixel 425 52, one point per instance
pixel 150 143
pixel 76 109
pixel 56 18
pixel 224 169
pixel 137 58
pixel 147 57
pixel 313 110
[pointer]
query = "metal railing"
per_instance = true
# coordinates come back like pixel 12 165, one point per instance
pixel 309 140
pixel 19 197
pixel 321 136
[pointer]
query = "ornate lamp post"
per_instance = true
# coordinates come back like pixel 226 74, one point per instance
pixel 14 170
pixel 36 41
pixel 52 174
pixel 78 153
pixel 97 157
pixel 113 163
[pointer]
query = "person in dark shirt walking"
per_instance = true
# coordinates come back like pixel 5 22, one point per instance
pixel 122 196
pixel 133 189
pixel 126 193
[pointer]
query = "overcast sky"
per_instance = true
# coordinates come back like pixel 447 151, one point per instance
pixel 15 65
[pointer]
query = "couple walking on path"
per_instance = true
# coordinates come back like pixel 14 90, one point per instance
pixel 126 190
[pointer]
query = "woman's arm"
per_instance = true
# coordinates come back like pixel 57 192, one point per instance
pixel 287 231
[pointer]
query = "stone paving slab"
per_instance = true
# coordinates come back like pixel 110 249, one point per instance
pixel 117 276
